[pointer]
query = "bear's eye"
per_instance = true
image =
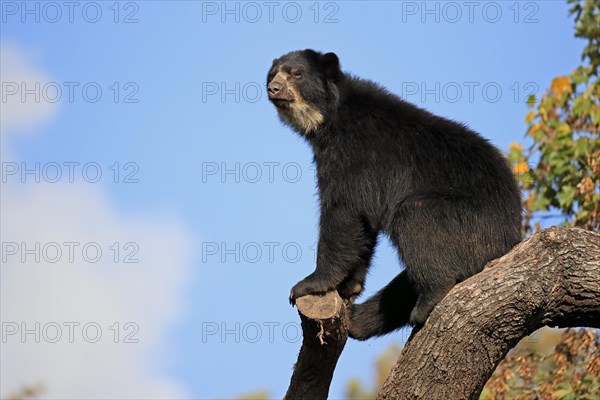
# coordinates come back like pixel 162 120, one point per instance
pixel 297 74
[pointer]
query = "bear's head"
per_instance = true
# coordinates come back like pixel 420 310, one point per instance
pixel 302 86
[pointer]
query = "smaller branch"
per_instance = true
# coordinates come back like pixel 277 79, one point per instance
pixel 325 329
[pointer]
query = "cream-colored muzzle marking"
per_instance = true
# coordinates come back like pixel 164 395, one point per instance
pixel 298 113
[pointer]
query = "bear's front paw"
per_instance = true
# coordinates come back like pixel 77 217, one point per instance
pixel 350 289
pixel 308 285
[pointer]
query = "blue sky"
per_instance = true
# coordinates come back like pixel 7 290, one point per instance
pixel 215 198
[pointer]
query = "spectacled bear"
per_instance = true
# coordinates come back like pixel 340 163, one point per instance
pixel 446 197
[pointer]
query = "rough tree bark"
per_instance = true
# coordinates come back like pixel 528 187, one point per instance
pixel 552 278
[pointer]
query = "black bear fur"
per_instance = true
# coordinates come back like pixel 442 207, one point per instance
pixel 446 197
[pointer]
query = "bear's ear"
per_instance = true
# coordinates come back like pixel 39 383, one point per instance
pixel 330 65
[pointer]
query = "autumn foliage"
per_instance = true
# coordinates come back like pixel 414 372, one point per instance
pixel 560 171
pixel 571 371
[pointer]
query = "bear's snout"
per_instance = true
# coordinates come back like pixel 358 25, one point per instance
pixel 274 88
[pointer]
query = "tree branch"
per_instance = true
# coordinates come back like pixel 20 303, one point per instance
pixel 552 278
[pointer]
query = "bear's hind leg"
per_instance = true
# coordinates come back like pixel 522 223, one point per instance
pixel 384 312
pixel 427 301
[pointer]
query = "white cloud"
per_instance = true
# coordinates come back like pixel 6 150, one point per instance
pixel 148 293
pixel 21 113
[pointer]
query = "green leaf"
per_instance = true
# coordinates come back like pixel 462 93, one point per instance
pixel 582 147
pixel 565 196
pixel 540 204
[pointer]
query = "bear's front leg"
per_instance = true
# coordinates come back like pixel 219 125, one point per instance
pixel 346 245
